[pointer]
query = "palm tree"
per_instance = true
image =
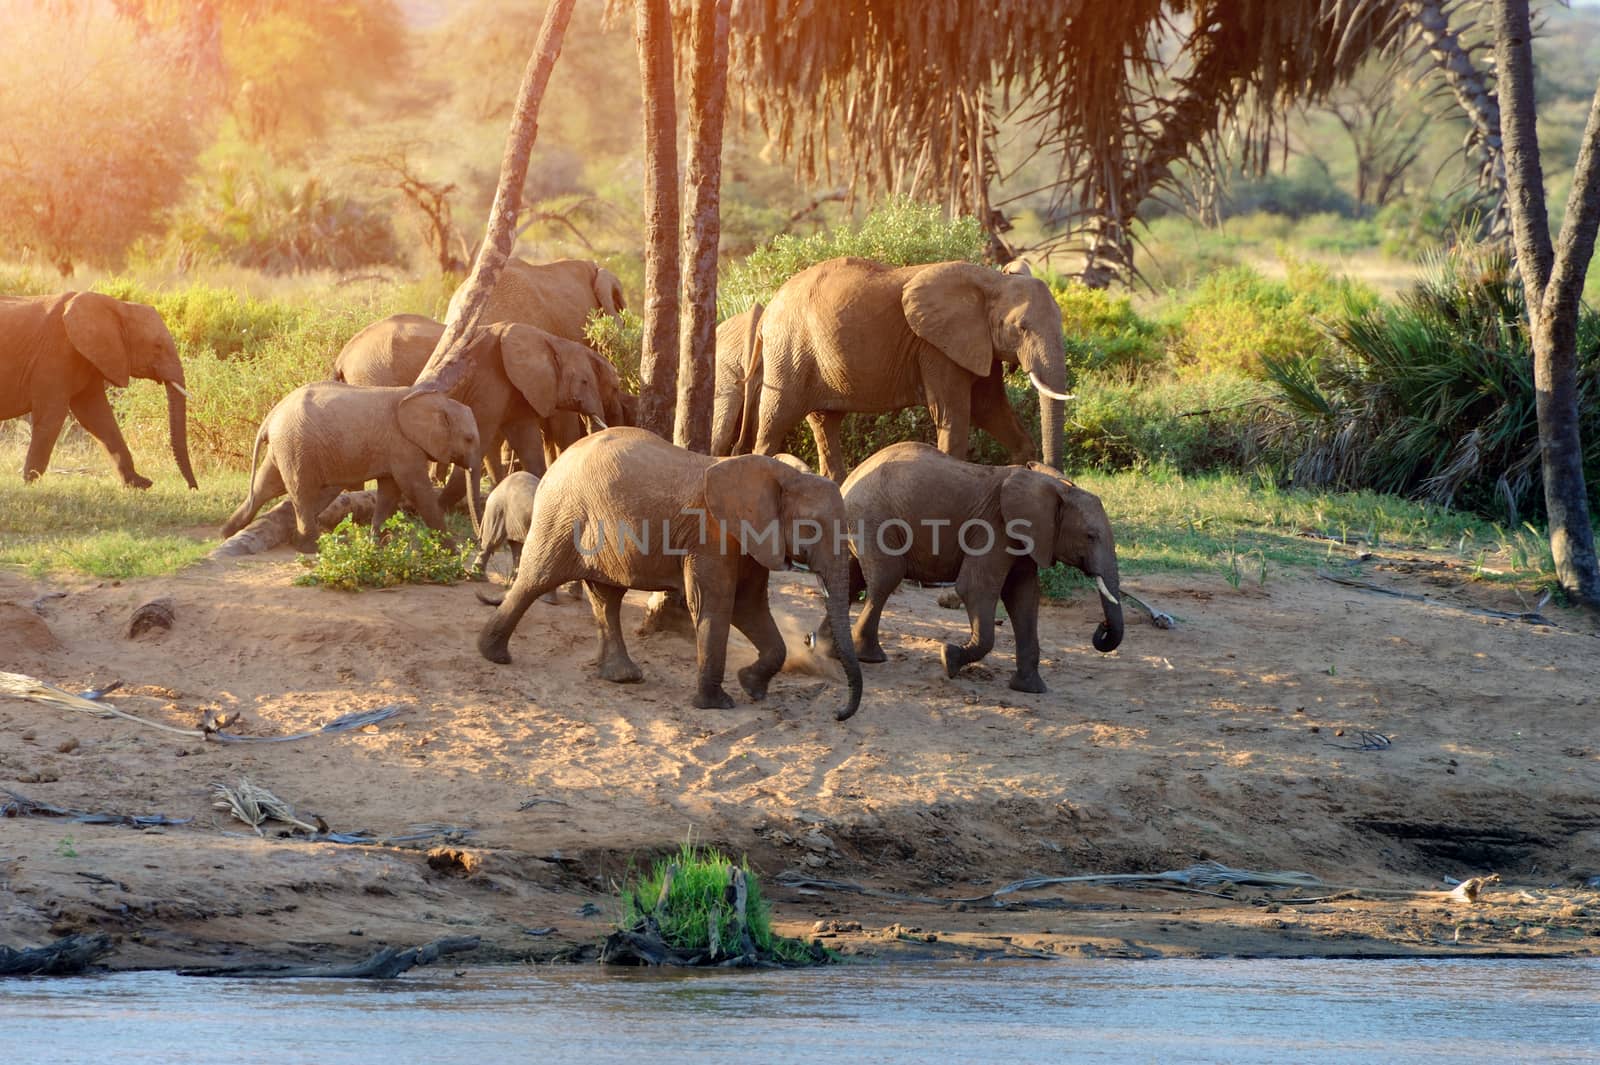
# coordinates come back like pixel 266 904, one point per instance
pixel 1552 280
pixel 658 359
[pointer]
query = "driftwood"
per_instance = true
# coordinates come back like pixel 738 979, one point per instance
pixel 64 957
pixel 276 526
pixel 1530 617
pixel 156 614
pixel 20 805
pixel 386 964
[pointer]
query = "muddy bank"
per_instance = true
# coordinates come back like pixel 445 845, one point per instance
pixel 1235 737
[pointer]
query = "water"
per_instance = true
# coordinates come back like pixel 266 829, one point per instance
pixel 1444 1012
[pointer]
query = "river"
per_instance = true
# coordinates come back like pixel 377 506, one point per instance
pixel 1436 1011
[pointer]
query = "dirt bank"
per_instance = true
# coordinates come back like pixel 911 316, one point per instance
pixel 1228 738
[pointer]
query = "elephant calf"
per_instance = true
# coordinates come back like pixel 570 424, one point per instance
pixel 507 513
pixel 625 509
pixel 325 437
pixel 919 513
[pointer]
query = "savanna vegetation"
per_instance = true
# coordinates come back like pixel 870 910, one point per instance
pixel 1289 340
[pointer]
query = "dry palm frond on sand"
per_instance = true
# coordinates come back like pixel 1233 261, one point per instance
pixel 253 804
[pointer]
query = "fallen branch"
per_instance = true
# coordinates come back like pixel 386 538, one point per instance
pixel 22 806
pixel 276 526
pixel 64 957
pixel 1530 617
pixel 1157 618
pixel 386 964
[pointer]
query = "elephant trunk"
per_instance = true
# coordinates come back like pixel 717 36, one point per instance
pixel 1047 371
pixel 1108 634
pixel 178 427
pixel 836 585
pixel 474 498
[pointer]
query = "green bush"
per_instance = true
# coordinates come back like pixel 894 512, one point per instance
pixel 621 340
pixel 1432 396
pixel 1190 425
pixel 695 900
pixel 350 557
pixel 1235 318
pixel 1103 331
pixel 899 232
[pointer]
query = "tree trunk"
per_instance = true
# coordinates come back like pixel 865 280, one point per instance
pixel 702 236
pixel 1553 284
pixel 658 360
pixel 448 363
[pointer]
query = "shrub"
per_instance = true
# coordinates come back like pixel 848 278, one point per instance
pixel 899 232
pixel 1432 396
pixel 694 904
pixel 1191 425
pixel 1236 318
pixel 621 340
pixel 1103 331
pixel 350 557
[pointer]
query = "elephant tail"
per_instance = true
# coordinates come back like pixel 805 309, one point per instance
pixel 242 516
pixel 752 389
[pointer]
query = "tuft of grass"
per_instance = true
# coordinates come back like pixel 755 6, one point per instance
pixel 694 901
pixel 350 557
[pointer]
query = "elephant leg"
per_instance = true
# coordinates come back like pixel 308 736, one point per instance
pixel 494 464
pixel 454 490
pixel 533 581
pixel 826 426
pixel 980 614
pixel 952 420
pixel 613 660
pixel 418 490
pixel 527 443
pixel 46 430
pixel 309 503
pixel 267 484
pixel 752 615
pixel 993 413
pixel 93 411
pixel 386 502
pixel 777 417
pixel 711 608
pixel 881 579
pixel 1020 594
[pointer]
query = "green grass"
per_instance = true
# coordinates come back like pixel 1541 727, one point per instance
pixel 89 523
pixel 699 879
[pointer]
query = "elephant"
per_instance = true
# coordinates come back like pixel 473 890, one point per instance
pixel 507 513
pixel 623 509
pixel 58 354
pixel 919 513
pixel 856 335
pixel 522 373
pixel 557 297
pixel 735 373
pixel 328 436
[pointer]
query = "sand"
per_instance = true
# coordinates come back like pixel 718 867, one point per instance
pixel 1228 738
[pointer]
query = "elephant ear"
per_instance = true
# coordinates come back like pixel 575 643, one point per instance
pixel 745 496
pixel 608 292
pixel 530 362
pixel 94 325
pixel 947 305
pixel 1032 499
pixel 433 421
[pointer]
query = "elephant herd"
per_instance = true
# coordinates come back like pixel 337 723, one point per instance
pixel 618 508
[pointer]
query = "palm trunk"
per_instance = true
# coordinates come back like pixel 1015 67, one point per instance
pixel 696 364
pixel 658 360
pixel 448 365
pixel 1553 283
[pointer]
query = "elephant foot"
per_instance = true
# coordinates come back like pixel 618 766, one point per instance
pixel 304 546
pixel 573 589
pixel 754 680
pixel 495 650
pixel 1028 683
pixel 954 658
pixel 490 600
pixel 666 612
pixel 868 652
pixel 133 480
pixel 552 597
pixel 620 671
pixel 713 698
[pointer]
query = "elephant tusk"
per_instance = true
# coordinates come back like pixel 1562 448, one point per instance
pixel 1046 391
pixel 594 420
pixel 184 392
pixel 1100 583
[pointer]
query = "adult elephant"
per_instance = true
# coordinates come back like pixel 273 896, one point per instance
pixel 856 335
pixel 58 354
pixel 625 509
pixel 522 375
pixel 557 297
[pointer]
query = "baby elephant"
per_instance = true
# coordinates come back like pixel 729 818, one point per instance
pixel 506 516
pixel 922 514
pixel 325 437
